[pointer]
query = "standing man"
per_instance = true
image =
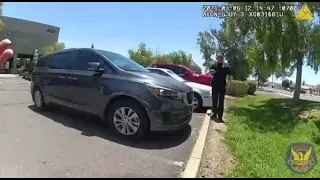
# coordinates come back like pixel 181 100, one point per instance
pixel 7 66
pixel 218 84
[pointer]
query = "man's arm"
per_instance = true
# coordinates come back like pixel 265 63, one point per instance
pixel 213 67
pixel 228 70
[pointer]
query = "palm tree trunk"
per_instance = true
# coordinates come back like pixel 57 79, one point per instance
pixel 297 90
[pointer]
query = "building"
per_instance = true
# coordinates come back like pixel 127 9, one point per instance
pixel 26 36
pixel 195 67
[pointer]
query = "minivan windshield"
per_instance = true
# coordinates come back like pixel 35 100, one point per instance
pixel 123 62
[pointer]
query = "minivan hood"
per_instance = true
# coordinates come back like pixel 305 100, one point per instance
pixel 160 80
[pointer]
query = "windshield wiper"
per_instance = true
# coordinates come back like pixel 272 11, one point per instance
pixel 133 70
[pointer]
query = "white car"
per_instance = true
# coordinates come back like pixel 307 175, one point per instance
pixel 202 93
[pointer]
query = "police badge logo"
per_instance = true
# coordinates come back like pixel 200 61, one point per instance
pixel 301 157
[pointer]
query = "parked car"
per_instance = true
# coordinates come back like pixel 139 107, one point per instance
pixel 202 93
pixel 26 72
pixel 185 72
pixel 131 99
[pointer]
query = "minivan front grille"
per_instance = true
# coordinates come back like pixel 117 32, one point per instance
pixel 190 97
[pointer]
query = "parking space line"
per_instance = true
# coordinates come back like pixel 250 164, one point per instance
pixel 176 163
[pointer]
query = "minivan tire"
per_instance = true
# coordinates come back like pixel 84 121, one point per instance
pixel 38 99
pixel 134 107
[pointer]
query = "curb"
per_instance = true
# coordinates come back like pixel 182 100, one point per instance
pixel 194 161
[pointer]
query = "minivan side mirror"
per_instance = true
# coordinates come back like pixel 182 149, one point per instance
pixel 96 67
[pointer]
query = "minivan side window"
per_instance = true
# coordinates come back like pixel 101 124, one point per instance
pixel 60 61
pixel 83 58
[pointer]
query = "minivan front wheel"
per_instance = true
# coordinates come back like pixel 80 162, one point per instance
pixel 128 119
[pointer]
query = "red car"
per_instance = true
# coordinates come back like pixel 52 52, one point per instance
pixel 185 72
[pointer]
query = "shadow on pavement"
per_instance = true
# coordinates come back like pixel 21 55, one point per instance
pixel 93 126
pixel 202 110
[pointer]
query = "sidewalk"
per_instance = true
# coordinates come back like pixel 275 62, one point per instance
pixel 216 159
pixel 9 75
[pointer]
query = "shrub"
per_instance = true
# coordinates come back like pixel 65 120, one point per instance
pixel 237 88
pixel 252 87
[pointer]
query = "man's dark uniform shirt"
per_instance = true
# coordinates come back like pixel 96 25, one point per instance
pixel 218 81
pixel 218 84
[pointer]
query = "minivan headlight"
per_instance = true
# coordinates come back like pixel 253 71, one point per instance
pixel 160 91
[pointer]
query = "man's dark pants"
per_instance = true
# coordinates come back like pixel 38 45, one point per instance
pixel 218 95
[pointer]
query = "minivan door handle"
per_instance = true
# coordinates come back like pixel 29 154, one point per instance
pixel 72 78
pixel 61 77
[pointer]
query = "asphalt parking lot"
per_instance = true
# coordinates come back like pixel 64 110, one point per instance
pixel 60 143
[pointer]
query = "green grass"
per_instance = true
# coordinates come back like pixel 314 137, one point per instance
pixel 261 128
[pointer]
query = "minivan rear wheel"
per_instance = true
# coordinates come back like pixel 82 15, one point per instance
pixel 38 99
pixel 128 119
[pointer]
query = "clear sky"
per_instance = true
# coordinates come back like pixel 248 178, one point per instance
pixel 120 26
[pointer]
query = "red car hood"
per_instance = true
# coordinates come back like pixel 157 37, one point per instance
pixel 205 75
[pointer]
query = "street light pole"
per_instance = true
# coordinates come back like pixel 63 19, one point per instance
pixel 35 55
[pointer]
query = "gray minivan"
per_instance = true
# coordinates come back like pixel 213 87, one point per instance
pixel 132 100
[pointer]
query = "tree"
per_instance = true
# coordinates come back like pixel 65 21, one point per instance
pixel 146 57
pixel 233 46
pixel 1 24
pixel 53 48
pixel 284 41
pixel 142 55
pixel 180 57
pixel 280 73
pixel 162 58
pixel 285 84
pixel 92 46
pixel 207 46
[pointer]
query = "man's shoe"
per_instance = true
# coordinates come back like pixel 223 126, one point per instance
pixel 220 120
pixel 214 116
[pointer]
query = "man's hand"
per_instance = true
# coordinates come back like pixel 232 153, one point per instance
pixel 5 51
pixel 212 71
